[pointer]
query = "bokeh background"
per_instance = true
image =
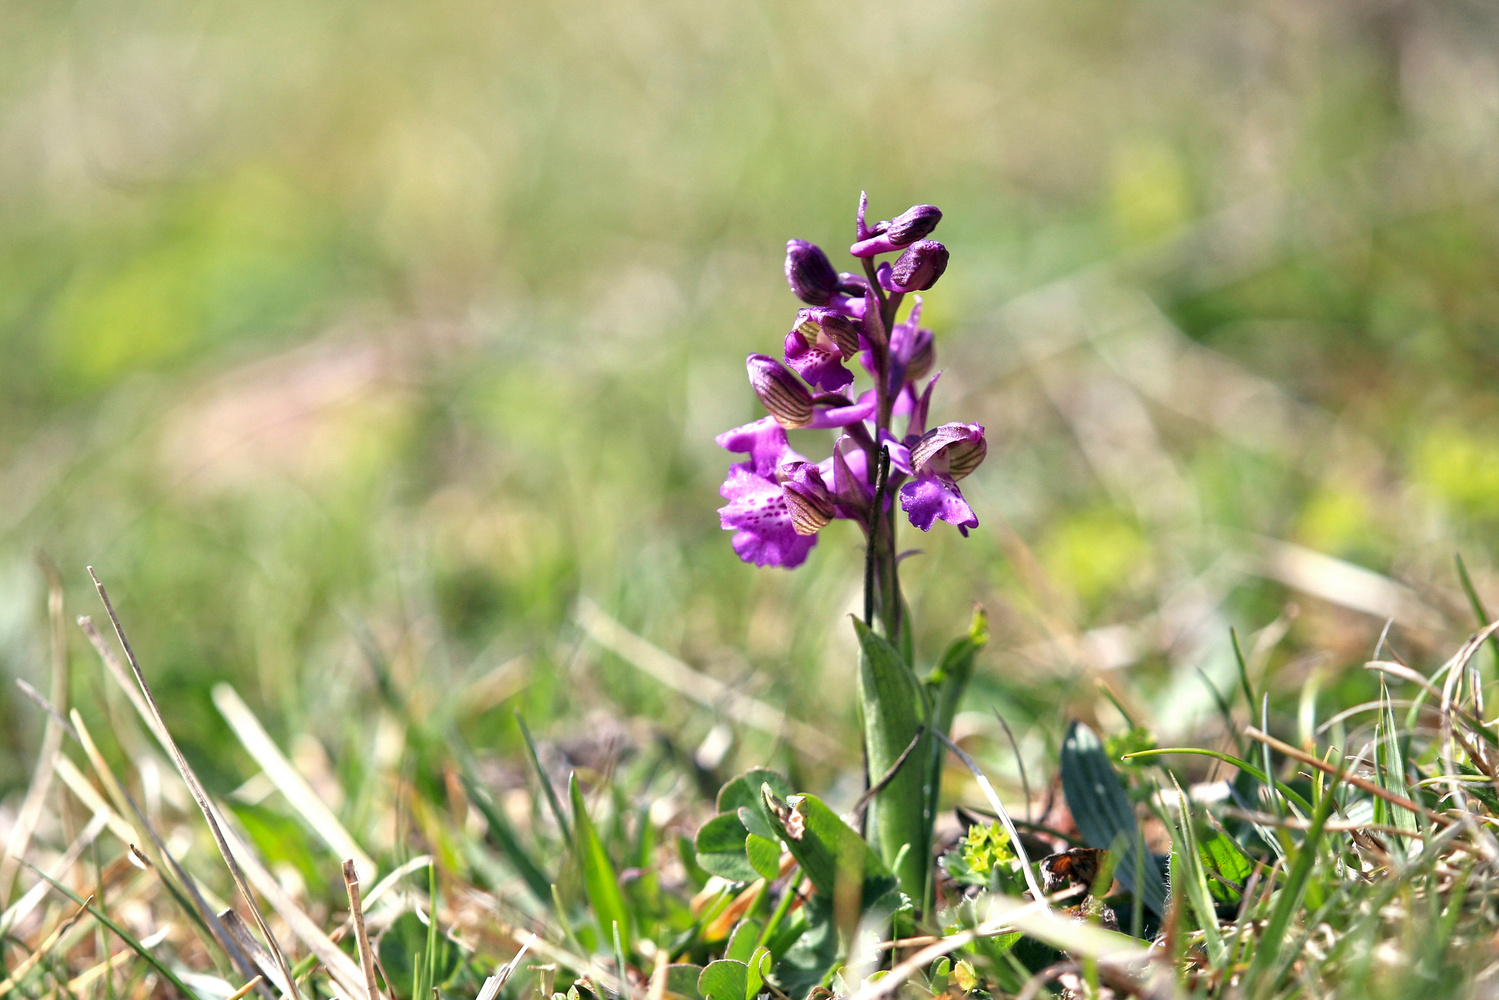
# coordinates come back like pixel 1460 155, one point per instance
pixel 355 343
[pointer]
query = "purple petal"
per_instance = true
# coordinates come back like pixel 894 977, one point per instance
pixel 761 521
pixel 842 416
pixel 823 369
pixel 929 498
pixel 765 443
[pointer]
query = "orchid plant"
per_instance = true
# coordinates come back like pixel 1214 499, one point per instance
pixel 778 501
pixel 884 452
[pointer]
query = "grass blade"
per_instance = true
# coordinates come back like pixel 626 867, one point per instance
pixel 599 879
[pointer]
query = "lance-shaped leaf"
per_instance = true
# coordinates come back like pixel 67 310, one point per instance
pixel 1103 812
pixel 828 849
pixel 894 712
pixel 599 880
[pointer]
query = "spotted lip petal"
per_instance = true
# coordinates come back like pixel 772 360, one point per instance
pixel 816 344
pixel 757 513
pixel 764 441
pixel 931 498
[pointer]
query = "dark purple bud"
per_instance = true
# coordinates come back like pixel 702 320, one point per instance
pixel 919 267
pixel 954 449
pixel 913 224
pixel 853 284
pixel 809 273
pixel 779 391
pixel 807 498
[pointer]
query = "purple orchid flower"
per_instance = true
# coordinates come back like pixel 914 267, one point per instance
pixel 757 512
pixel 819 343
pixel 938 460
pixel 777 501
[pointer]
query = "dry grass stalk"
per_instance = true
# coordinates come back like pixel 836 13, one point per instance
pixel 52 736
pixel 361 936
pixel 152 715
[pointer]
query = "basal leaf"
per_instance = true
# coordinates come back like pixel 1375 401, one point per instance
pixel 1102 811
pixel 894 712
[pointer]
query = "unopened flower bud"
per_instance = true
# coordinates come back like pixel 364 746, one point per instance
pixel 898 233
pixel 854 285
pixel 917 269
pixel 954 449
pixel 808 500
pixel 809 273
pixel 781 393
pixel 913 224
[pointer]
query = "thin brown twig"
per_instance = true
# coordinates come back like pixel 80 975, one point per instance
pixel 888 776
pixel 1338 773
pixel 361 936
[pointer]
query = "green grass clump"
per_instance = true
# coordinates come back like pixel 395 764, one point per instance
pixel 1357 860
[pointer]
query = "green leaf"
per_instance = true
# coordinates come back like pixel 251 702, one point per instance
pixel 599 881
pixel 682 980
pixel 725 979
pixel 1258 775
pixel 894 710
pixel 1222 854
pixel 742 942
pixel 1187 874
pixel 743 792
pixel 404 956
pixel 1267 957
pixel 807 962
pixel 1102 811
pixel 764 856
pixel 720 848
pixel 828 848
pixel 760 965
pixel 541 776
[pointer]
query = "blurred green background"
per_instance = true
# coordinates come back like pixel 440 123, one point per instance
pixel 344 333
